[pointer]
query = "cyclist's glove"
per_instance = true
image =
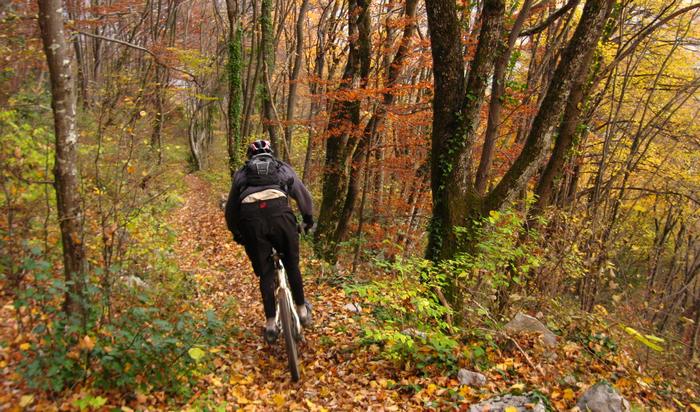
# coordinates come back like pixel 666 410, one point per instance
pixel 308 224
pixel 238 238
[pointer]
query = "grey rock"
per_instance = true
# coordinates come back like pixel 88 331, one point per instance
pixel 353 307
pixel 602 397
pixel 134 282
pixel 522 403
pixel 415 333
pixel 570 380
pixel 467 377
pixel 526 323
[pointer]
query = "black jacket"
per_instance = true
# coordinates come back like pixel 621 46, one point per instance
pixel 239 190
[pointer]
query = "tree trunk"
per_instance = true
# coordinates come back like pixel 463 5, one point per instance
pixel 342 134
pixel 497 91
pixel 315 86
pixel 565 138
pixel 235 90
pixel 587 33
pixel 375 125
pixel 267 56
pixel 455 199
pixel 59 58
pixel 294 76
pixel 456 118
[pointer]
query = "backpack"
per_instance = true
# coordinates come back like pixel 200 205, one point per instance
pixel 264 170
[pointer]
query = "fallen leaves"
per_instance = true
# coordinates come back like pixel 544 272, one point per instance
pixel 337 372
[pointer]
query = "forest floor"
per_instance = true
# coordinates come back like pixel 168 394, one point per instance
pixel 338 372
pixel 251 374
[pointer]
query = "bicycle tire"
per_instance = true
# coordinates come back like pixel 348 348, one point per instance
pixel 288 331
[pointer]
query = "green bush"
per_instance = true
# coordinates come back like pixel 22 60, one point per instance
pixel 408 321
pixel 145 346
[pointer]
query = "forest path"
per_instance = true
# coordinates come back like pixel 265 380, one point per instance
pixel 250 374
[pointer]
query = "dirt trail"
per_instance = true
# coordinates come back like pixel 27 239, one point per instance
pixel 250 374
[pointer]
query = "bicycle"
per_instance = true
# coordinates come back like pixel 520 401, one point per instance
pixel 286 316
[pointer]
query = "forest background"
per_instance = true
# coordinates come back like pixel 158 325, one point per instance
pixel 490 157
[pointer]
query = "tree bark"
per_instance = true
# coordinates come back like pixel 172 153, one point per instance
pixel 565 138
pixel 497 91
pixel 456 118
pixel 294 76
pixel 267 56
pixel 585 37
pixel 235 90
pixel 342 134
pixel 59 58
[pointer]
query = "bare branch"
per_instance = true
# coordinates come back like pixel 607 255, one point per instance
pixel 143 49
pixel 550 19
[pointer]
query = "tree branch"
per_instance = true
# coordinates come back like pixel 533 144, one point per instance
pixel 143 49
pixel 550 19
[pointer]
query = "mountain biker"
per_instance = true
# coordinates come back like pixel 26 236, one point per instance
pixel 260 218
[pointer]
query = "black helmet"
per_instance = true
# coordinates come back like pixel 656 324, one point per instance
pixel 259 146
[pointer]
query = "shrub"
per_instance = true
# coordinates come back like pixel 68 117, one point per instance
pixel 408 320
pixel 144 346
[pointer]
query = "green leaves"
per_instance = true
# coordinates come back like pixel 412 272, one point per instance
pixel 90 402
pixel 196 353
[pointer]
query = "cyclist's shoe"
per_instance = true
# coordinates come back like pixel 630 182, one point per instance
pixel 304 312
pixel 270 332
pixel 270 335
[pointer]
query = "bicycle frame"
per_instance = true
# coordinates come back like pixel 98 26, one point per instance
pixel 283 287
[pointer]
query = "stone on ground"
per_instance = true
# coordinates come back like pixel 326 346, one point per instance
pixel 467 377
pixel 521 403
pixel 523 323
pixel 602 397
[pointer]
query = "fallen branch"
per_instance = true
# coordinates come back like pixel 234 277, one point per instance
pixel 443 301
pixel 527 358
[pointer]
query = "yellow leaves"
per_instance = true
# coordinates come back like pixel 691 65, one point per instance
pixel 507 363
pixel 278 400
pixel 86 343
pixel 241 380
pixel 510 409
pixel 694 407
pixel 600 310
pixel 465 391
pixel 313 407
pixel 649 340
pixel 25 346
pixel 568 394
pixel 26 400
pixel 679 403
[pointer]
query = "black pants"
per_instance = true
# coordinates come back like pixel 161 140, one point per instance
pixel 268 224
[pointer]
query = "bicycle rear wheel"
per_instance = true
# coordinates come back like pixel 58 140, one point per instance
pixel 288 331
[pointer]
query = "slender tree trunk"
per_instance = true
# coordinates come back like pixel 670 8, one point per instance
pixel 315 84
pixel 497 91
pixel 294 77
pixel 375 125
pixel 587 33
pixel 267 56
pixel 235 90
pixel 59 57
pixel 343 134
pixel 565 138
